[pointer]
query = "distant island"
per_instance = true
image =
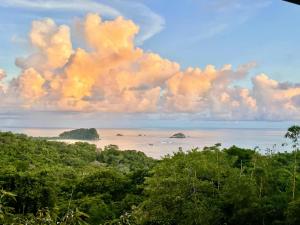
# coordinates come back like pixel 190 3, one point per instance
pixel 80 134
pixel 178 135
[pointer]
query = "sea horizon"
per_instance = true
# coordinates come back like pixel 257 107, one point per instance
pixel 198 125
pixel 156 142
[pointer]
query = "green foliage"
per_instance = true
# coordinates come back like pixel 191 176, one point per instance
pixel 293 134
pixel 48 182
pixel 178 135
pixel 54 182
pixel 243 156
pixel 5 211
pixel 182 189
pixel 212 187
pixel 80 134
pixel 126 161
pixel 293 213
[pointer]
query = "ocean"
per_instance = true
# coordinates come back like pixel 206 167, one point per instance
pixel 157 143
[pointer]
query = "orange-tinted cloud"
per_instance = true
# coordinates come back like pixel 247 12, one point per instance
pixel 30 86
pixel 52 46
pixel 210 92
pixel 113 75
pixel 276 100
pixel 2 76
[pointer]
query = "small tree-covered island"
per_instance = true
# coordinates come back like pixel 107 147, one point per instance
pixel 178 135
pixel 80 134
pixel 48 182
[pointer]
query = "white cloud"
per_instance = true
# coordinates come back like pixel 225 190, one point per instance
pixel 150 23
pixel 226 14
pixel 2 74
pixel 224 6
pixel 113 75
pixel 2 86
pixel 17 39
pixel 66 5
pixel 210 31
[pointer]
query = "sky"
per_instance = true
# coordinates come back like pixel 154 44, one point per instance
pixel 169 62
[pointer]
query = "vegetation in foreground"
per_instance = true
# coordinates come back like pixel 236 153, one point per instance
pixel 47 182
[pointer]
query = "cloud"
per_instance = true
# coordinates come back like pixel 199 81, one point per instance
pixel 237 5
pixel 66 5
pixel 210 93
pixel 275 99
pixel 150 23
pixel 2 76
pixel 29 87
pixel 113 75
pixel 225 15
pixel 106 78
pixel 52 45
pixel 16 39
pixel 210 31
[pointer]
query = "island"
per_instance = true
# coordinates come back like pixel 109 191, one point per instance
pixel 178 135
pixel 80 134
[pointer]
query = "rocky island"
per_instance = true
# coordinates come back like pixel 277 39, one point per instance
pixel 178 135
pixel 80 134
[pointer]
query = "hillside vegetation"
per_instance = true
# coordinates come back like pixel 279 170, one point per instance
pixel 47 182
pixel 80 134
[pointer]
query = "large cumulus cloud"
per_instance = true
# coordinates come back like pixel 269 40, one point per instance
pixel 111 74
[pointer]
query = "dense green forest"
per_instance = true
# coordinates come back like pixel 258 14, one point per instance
pixel 47 182
pixel 80 134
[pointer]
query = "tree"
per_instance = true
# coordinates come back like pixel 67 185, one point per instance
pixel 293 134
pixel 5 211
pixel 74 217
pixel 293 213
pixel 184 189
pixel 239 201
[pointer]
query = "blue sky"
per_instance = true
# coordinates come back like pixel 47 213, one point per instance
pixel 191 32
pixel 261 31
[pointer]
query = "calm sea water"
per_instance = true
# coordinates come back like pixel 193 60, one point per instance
pixel 156 142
